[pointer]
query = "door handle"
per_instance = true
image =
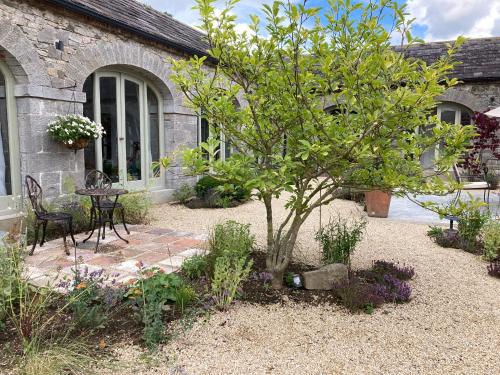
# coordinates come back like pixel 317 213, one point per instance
pixel 121 138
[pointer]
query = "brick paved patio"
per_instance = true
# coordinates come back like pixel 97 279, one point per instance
pixel 161 247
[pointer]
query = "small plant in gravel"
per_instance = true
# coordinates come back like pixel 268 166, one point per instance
pixel 358 295
pixel 195 267
pixel 228 275
pixel 470 224
pixel 494 269
pixel 98 297
pixel 491 240
pixel 339 239
pixel 403 272
pixel 231 240
pixel 150 294
pixel 184 193
pixel 392 289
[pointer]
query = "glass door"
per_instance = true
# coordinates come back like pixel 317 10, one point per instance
pixel 131 114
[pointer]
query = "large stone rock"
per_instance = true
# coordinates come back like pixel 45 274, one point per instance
pixel 325 277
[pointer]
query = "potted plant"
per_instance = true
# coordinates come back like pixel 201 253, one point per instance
pixel 377 198
pixel 74 131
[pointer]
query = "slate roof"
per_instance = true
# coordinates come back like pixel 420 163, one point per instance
pixel 480 58
pixel 140 19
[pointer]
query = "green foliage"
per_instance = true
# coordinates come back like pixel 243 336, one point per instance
pixel 230 240
pixel 96 302
pixel 205 184
pixel 229 273
pixel 183 193
pixel 285 68
pixel 137 207
pixel 150 294
pixel 11 278
pixel 470 223
pixel 71 357
pixel 184 296
pixel 195 267
pixel 220 193
pixel 491 240
pixel 435 231
pixel 339 239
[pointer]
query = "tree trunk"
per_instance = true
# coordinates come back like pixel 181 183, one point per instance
pixel 280 255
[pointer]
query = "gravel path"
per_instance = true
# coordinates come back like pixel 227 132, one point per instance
pixel 452 325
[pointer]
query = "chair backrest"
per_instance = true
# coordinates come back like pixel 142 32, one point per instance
pixel 97 180
pixel 35 194
pixel 456 174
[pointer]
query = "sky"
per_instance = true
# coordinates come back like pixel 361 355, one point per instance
pixel 434 19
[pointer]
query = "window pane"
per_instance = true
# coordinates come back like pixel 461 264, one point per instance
pixel 227 148
pixel 465 118
pixel 107 89
pixel 448 116
pixel 88 111
pixel 133 131
pixel 154 128
pixel 5 172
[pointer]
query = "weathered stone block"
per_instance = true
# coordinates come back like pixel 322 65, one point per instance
pixel 325 277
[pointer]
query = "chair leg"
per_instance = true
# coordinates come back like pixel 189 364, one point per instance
pixel 44 231
pixel 37 229
pixel 66 250
pixel 71 231
pixel 123 221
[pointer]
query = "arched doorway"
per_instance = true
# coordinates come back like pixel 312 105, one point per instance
pixel 10 184
pixel 452 113
pixel 130 110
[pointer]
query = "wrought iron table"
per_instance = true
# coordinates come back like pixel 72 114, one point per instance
pixel 102 211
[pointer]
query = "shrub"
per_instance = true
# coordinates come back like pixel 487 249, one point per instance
pixel 150 293
pixel 339 239
pixel 137 207
pixel 184 296
pixel 219 194
pixel 470 223
pixel 229 273
pixel 194 267
pixel 231 240
pixel 357 295
pixel 96 301
pixel 205 184
pixel 391 289
pixel 494 269
pixel 491 240
pixel 11 278
pixel 404 272
pixel 184 193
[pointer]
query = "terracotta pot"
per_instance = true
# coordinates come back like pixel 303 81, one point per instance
pixel 78 144
pixel 378 203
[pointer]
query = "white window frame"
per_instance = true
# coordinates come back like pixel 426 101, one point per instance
pixel 10 204
pixel 146 180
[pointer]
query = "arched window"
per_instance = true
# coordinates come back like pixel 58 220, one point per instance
pixel 452 113
pixel 130 110
pixel 10 186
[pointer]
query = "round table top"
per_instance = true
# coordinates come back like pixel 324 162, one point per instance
pixel 101 192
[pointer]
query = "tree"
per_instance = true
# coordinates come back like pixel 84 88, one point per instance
pixel 485 145
pixel 286 70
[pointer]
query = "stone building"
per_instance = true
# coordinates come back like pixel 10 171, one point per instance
pixel 479 88
pixel 108 61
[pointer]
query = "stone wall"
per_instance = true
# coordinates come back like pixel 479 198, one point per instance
pixel 478 97
pixel 46 79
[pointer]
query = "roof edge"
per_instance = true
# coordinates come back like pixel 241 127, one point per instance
pixel 155 38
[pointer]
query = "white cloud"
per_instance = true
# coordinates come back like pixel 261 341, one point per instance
pixel 447 19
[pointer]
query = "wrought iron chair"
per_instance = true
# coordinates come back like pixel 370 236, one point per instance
pixel 99 180
pixel 43 217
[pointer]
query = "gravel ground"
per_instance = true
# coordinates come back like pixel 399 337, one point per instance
pixel 452 325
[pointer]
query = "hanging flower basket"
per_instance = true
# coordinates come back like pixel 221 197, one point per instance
pixel 78 144
pixel 75 131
